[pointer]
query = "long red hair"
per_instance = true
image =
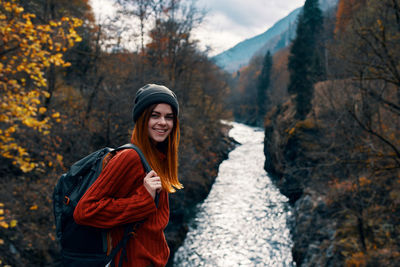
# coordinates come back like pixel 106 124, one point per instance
pixel 166 168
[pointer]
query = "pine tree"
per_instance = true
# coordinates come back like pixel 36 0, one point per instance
pixel 263 84
pixel 304 60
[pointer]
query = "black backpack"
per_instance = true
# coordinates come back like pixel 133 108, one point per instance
pixel 85 246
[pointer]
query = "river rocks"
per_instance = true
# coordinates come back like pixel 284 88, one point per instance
pixel 312 231
pixel 291 156
pixel 279 150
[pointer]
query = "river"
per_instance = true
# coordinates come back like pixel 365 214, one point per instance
pixel 243 221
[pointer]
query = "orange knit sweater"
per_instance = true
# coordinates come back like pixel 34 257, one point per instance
pixel 119 197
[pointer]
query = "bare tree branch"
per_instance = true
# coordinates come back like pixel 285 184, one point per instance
pixel 380 137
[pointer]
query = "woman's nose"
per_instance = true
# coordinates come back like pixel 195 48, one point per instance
pixel 162 120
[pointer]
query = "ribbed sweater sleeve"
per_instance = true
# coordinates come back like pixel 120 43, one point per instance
pixel 118 196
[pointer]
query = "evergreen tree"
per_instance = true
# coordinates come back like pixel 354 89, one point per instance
pixel 305 62
pixel 263 84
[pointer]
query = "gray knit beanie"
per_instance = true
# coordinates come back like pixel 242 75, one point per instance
pixel 153 94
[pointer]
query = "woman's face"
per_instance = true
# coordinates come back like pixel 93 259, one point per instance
pixel 161 122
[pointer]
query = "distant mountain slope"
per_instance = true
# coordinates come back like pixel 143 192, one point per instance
pixel 275 38
pixel 239 55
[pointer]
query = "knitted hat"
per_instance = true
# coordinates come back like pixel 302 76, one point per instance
pixel 153 94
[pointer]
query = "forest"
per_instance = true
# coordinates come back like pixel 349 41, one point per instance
pixel 329 104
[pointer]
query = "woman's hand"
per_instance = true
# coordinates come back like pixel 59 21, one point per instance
pixel 152 183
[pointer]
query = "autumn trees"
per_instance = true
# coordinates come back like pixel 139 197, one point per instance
pixel 368 41
pixel 27 50
pixel 250 87
pixel 342 158
pixel 306 66
pixel 29 47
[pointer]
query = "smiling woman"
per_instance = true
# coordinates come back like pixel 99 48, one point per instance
pixel 157 131
pixel 124 193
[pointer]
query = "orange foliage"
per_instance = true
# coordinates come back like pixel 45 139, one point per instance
pixel 281 59
pixel 279 76
pixel 345 186
pixel 357 260
pixel 345 12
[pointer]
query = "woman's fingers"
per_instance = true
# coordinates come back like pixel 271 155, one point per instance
pixel 152 183
pixel 151 173
pixel 153 180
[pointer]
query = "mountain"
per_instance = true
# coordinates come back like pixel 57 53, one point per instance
pixel 275 38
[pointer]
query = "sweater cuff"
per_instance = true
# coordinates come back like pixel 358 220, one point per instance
pixel 147 198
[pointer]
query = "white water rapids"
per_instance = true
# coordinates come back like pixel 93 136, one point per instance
pixel 243 221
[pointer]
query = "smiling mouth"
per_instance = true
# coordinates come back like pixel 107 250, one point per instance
pixel 160 131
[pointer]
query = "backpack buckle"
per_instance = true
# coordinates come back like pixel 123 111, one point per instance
pixel 67 200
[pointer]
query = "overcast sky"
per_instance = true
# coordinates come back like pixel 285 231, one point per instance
pixel 229 22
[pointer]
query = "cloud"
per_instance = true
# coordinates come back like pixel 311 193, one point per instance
pixel 231 21
pixel 103 9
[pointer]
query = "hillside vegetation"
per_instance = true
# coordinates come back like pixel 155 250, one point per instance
pixel 340 164
pixel 332 132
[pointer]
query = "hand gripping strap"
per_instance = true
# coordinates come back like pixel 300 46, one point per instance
pixel 146 165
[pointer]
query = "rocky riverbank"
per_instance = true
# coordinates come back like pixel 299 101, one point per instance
pixel 290 152
pixel 344 208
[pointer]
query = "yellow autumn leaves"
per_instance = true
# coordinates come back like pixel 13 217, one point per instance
pixel 12 223
pixel 26 51
pixel 6 223
pixel 3 222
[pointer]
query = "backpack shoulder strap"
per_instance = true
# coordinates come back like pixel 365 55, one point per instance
pixel 146 165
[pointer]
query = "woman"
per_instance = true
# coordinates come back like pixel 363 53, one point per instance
pixel 124 193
